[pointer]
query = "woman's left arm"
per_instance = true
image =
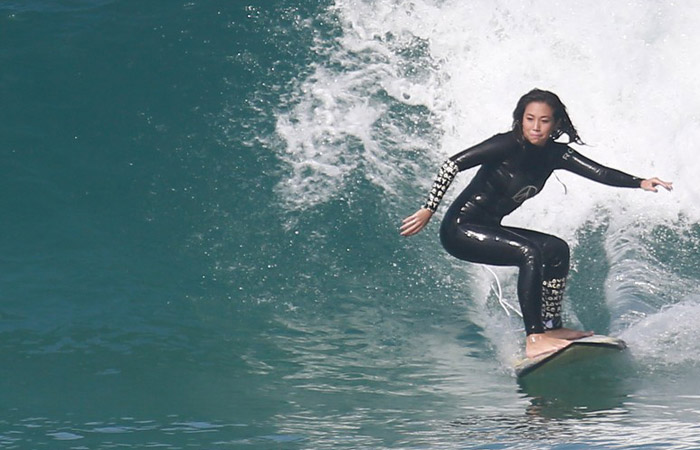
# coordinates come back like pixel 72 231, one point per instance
pixel 574 162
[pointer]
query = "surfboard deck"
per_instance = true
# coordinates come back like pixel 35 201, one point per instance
pixel 580 348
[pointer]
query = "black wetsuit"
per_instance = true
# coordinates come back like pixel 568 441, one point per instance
pixel 510 173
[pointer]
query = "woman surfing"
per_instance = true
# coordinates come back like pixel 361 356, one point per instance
pixel 514 167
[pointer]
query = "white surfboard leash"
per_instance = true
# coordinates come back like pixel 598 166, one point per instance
pixel 499 293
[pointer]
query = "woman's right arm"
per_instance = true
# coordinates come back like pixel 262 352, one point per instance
pixel 490 150
pixel 414 223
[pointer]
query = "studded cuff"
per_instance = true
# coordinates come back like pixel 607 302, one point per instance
pixel 444 178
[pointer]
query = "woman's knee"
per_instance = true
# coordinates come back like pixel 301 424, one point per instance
pixel 532 257
pixel 557 252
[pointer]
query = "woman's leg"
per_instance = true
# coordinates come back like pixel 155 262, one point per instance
pixel 528 250
pixel 556 268
pixel 556 256
pixel 501 246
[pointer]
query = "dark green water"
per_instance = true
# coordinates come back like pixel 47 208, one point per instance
pixel 200 203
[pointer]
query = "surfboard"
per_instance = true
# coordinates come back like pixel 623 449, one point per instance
pixel 587 347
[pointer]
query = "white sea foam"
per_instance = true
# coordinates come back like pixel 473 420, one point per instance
pixel 626 71
pixel 669 336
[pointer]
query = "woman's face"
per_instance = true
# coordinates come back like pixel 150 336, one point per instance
pixel 538 123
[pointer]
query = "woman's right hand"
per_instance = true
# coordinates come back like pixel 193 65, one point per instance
pixel 416 222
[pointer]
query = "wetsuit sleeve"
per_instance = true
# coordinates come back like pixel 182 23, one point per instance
pixel 493 149
pixel 444 178
pixel 574 162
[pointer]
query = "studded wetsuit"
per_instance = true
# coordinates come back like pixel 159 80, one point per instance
pixel 510 173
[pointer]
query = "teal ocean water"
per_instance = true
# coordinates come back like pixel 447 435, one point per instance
pixel 200 207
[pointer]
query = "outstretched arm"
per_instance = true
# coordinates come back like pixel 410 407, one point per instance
pixel 573 161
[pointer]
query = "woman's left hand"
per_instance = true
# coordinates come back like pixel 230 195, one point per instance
pixel 650 184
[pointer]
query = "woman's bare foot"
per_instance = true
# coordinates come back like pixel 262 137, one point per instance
pixel 538 344
pixel 567 333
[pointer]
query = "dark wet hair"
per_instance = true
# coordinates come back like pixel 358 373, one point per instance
pixel 561 117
